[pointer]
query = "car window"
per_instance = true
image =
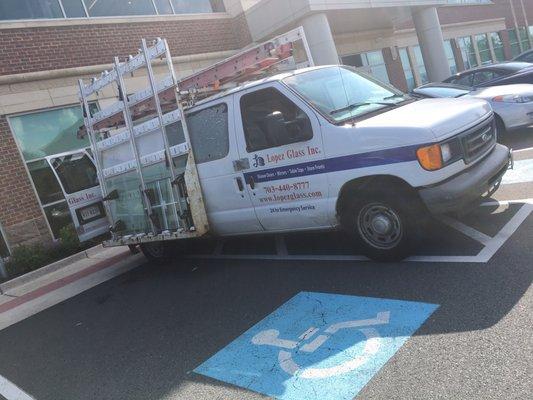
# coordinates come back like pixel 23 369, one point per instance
pixel 464 80
pixel 76 172
pixel 270 119
pixel 486 75
pixel 209 133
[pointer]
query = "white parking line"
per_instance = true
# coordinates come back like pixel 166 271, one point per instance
pixel 466 230
pixel 11 391
pixel 491 244
pixel 522 150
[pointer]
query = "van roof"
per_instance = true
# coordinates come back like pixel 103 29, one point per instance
pixel 251 84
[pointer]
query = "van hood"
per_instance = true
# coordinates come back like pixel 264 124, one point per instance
pixel 430 119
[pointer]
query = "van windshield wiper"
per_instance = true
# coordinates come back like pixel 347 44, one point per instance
pixel 357 105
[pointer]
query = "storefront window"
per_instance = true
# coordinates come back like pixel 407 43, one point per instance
pixel 467 51
pixel 73 8
pixel 483 49
pixel 513 41
pixel 450 56
pixel 371 62
pixel 420 65
pixel 45 182
pixel 42 9
pixel 524 38
pixel 46 133
pixel 29 9
pixel 407 69
pixel 497 45
pixel 50 132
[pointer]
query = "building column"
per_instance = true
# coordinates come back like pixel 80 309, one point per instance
pixel 320 39
pixel 429 32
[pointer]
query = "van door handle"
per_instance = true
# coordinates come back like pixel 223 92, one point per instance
pixel 239 184
pixel 251 182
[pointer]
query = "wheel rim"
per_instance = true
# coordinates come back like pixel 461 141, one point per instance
pixel 156 250
pixel 380 226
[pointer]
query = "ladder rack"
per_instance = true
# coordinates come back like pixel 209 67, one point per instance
pixel 170 206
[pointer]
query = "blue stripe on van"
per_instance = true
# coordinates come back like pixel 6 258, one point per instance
pixel 352 161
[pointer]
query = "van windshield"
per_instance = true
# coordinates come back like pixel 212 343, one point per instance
pixel 341 93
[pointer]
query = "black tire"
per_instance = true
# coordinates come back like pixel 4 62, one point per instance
pixel 384 224
pixel 156 251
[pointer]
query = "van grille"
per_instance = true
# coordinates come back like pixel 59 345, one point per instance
pixel 479 140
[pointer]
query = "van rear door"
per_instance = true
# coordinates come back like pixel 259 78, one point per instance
pixel 77 176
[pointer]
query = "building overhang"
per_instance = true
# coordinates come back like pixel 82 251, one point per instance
pixel 268 17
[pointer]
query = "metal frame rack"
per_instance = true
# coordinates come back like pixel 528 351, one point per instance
pixel 163 103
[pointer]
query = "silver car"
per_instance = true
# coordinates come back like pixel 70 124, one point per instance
pixel 512 104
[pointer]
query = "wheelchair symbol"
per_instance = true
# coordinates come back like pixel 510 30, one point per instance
pixel 270 337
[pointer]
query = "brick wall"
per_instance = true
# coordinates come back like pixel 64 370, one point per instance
pixel 20 213
pixel 47 48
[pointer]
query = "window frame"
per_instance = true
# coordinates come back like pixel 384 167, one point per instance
pixel 3 240
pixel 280 91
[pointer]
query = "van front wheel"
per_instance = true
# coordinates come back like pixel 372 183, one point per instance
pixel 384 229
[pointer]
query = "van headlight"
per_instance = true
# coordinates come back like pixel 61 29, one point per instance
pixel 439 155
pixel 514 98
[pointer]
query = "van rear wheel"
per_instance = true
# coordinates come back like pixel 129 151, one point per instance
pixel 383 225
pixel 156 251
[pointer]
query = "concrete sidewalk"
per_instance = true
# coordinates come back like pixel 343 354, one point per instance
pixel 31 293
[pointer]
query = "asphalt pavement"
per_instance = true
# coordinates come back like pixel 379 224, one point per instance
pixel 143 334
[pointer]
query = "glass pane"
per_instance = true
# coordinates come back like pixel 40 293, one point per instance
pixel 408 72
pixel 188 6
pixel 73 8
pixel 450 56
pixel 380 72
pixel 76 172
pixel 420 63
pixel 497 44
pixel 157 178
pixel 4 251
pixel 209 133
pixel 58 216
pixel 524 38
pixel 355 60
pixel 163 6
pixel 49 132
pixel 45 182
pixel 106 8
pixel 375 58
pixel 29 9
pixel 129 206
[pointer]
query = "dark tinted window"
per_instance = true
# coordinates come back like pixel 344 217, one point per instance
pixel 45 182
pixel 270 119
pixel 76 172
pixel 484 76
pixel 73 8
pixel 464 80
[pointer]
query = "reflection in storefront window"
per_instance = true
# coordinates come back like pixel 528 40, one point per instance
pixel 49 132
pixel 58 216
pixel 497 45
pixel 45 182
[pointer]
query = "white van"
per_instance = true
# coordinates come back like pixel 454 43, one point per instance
pixel 323 148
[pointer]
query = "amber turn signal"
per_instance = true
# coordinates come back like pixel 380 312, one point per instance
pixel 430 157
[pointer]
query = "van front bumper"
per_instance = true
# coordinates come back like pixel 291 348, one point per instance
pixel 466 188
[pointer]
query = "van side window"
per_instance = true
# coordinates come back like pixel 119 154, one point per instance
pixel 270 120
pixel 209 133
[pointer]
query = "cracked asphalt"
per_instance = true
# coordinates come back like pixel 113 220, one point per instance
pixel 140 335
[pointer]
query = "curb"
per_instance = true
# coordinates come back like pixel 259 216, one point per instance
pixel 48 269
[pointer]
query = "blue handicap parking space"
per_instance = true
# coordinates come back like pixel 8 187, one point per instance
pixel 318 346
